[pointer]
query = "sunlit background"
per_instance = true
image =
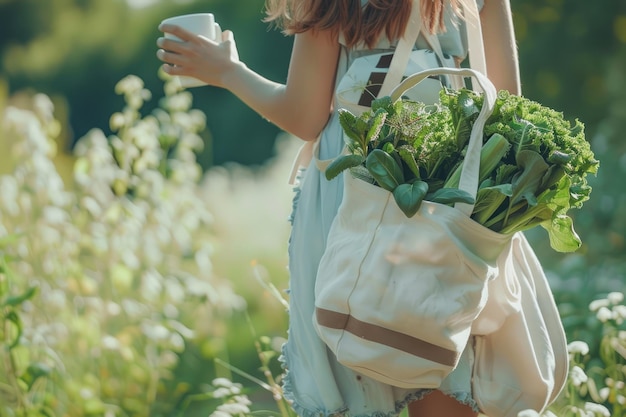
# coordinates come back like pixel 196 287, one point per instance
pixel 154 222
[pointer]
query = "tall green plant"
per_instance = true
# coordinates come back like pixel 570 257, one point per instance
pixel 22 381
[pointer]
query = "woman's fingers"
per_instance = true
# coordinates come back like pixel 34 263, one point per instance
pixel 179 32
pixel 171 57
pixel 170 45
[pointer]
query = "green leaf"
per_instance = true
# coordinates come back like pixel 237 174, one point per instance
pixel 526 185
pixel 409 197
pixel 563 237
pixel 466 113
pixel 409 159
pixel 354 135
pixel 361 173
pixel 489 200
pixel 342 163
pixel 19 299
pixel 551 177
pixel 35 371
pixel 375 125
pixel 384 169
pixel 561 158
pixel 15 331
pixel 450 196
pixel 383 103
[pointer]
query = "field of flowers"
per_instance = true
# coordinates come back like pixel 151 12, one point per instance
pixel 134 284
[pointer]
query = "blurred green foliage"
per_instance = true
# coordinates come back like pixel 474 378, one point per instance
pixel 76 50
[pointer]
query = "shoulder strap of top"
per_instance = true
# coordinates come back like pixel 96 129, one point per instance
pixel 405 45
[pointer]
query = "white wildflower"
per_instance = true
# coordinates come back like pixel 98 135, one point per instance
pixel 176 342
pixel 171 312
pixel 117 121
pixel 234 408
pixel 155 331
pixel 181 328
pixel 113 309
pixel 221 392
pixel 578 347
pixel 615 297
pixel 151 285
pixel 86 393
pixel 597 304
pixel 198 119
pixel 597 409
pixel 604 393
pixel 242 399
pixel 110 343
pixel 179 102
pixel 43 107
pixel 9 189
pixel 619 313
pixel 54 298
pixel 130 84
pixel 578 376
pixel 92 206
pixel 175 291
pixel 222 382
pixel 54 215
pixel 604 314
pixel 219 413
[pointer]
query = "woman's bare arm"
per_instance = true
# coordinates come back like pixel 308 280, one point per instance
pixel 500 46
pixel 302 106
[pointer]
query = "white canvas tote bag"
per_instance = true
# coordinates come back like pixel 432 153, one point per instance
pixel 520 349
pixel 395 296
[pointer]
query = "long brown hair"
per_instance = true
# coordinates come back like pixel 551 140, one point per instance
pixel 356 23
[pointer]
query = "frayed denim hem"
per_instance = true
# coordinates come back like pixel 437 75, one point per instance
pixel 296 194
pixel 288 393
pixel 464 398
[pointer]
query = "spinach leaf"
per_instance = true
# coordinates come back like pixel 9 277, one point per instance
pixel 409 197
pixel 341 163
pixel 384 169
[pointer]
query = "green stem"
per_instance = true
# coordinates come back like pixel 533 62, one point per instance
pixel 521 222
pixel 502 215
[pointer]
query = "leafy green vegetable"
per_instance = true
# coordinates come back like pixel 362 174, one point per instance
pixel 384 169
pixel 409 197
pixel 533 166
pixel 342 163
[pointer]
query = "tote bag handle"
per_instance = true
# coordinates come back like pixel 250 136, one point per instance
pixel 471 162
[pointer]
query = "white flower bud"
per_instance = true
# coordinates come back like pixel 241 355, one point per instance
pixel 578 347
pixel 615 297
pixel 578 376
pixel 604 314
pixel 597 304
pixel 597 409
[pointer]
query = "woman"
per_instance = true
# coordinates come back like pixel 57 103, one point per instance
pixel 329 34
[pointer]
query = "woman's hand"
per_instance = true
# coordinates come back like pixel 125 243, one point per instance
pixel 301 106
pixel 197 56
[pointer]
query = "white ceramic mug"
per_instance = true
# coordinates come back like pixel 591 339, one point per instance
pixel 198 23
